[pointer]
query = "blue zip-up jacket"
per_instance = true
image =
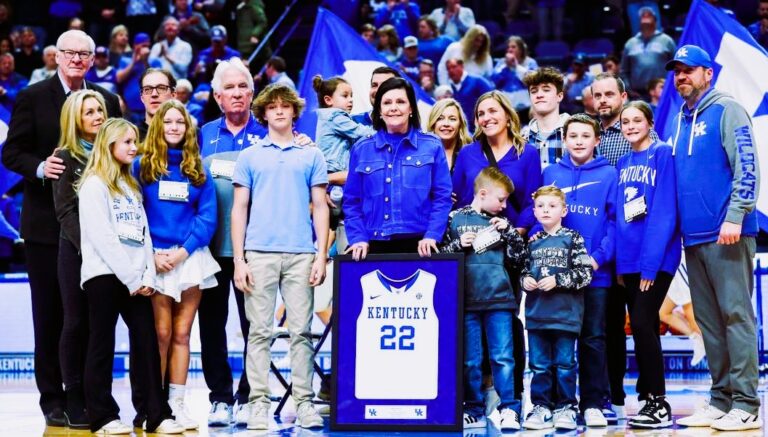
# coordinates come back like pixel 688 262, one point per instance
pixel 563 256
pixel 487 285
pixel 650 243
pixel 188 224
pixel 718 172
pixel 590 194
pixel 397 189
pixel 524 170
pixel 335 134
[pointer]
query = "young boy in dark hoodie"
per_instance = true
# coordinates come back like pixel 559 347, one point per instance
pixel 492 248
pixel 558 267
pixel 589 184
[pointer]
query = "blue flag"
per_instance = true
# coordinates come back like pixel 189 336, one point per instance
pixel 7 178
pixel 337 50
pixel 740 69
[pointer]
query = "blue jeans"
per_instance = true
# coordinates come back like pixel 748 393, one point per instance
pixel 552 361
pixel 496 325
pixel 593 371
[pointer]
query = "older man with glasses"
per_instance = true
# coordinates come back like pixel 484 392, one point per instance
pixel 32 136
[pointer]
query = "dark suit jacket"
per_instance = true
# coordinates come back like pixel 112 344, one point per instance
pixel 32 135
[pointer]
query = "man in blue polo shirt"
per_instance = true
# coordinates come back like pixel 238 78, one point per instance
pixel 272 222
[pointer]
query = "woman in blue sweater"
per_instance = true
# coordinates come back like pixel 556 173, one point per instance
pixel 180 201
pixel 647 251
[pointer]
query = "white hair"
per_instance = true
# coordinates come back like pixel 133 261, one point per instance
pixel 185 84
pixel 232 63
pixel 76 34
pixel 49 49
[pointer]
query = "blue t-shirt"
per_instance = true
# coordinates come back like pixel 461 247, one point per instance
pixel 280 181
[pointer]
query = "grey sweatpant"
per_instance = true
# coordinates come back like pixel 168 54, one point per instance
pixel 721 281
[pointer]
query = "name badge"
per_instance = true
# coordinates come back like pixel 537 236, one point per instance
pixel 130 233
pixel 485 239
pixel 222 168
pixel 174 191
pixel 635 208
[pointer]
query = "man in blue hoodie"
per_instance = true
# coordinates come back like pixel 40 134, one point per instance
pixel 589 184
pixel 718 179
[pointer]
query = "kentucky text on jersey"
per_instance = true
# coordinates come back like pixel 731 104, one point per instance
pixel 404 313
pixel 583 209
pixel 747 154
pixel 550 257
pixel 638 173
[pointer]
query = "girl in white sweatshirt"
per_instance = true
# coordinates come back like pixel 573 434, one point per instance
pixel 117 274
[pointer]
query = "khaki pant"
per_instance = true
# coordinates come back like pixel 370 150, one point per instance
pixel 289 273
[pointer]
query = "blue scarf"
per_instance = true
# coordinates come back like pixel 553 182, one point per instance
pixel 88 147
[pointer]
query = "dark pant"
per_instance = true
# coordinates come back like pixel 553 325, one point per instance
pixel 402 245
pixel 616 342
pixel 47 319
pixel 108 298
pixel 644 318
pixel 593 376
pixel 74 334
pixel 213 313
pixel 518 338
pixel 495 326
pixel 553 363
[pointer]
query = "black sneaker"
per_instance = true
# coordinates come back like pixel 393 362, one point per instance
pixel 656 413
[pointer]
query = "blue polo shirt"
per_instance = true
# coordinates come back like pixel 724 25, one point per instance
pixel 215 137
pixel 280 181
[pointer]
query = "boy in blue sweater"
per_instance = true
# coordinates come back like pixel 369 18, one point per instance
pixel 492 248
pixel 558 267
pixel 589 184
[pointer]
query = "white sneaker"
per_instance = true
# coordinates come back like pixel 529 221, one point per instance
pixel 308 417
pixel 114 427
pixel 220 415
pixel 704 416
pixel 594 417
pixel 258 416
pixel 169 426
pixel 492 400
pixel 738 420
pixel 181 415
pixel 565 418
pixel 509 420
pixel 471 421
pixel 698 349
pixel 539 418
pixel 242 411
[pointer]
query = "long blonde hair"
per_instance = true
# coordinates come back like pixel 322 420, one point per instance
pixel 468 45
pixel 462 137
pixel 71 123
pixel 513 121
pixel 103 164
pixel 154 158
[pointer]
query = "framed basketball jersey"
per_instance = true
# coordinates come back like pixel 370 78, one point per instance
pixel 397 343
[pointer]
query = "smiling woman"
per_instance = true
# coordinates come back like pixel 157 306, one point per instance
pixel 397 177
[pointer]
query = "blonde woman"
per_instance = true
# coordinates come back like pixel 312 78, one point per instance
pixel 388 45
pixel 474 49
pixel 180 199
pixel 118 44
pixel 82 115
pixel 449 123
pixel 118 275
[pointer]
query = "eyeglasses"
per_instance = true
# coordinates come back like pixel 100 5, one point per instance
pixel 70 54
pixel 161 89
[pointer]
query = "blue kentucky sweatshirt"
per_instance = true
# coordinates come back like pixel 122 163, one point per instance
pixel 718 175
pixel 649 243
pixel 590 195
pixel 188 224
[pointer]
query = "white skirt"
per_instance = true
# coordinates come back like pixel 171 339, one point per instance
pixel 199 269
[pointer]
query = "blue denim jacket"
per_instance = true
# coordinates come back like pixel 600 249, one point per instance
pixel 400 189
pixel 336 133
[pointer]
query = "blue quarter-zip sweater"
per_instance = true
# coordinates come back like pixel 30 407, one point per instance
pixel 524 170
pixel 187 224
pixel 590 194
pixel 650 243
pixel 718 174
pixel 397 186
